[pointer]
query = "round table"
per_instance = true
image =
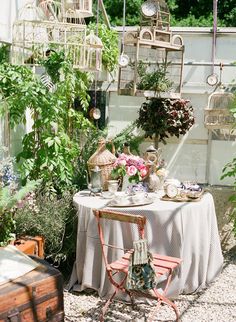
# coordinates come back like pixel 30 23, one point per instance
pixel 187 230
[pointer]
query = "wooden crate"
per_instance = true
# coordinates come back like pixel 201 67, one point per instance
pixel 31 245
pixel 33 297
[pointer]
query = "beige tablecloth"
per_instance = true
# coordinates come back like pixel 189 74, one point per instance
pixel 182 229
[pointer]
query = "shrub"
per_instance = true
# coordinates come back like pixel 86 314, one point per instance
pixel 55 219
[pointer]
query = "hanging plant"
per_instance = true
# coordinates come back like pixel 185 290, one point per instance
pixel 162 118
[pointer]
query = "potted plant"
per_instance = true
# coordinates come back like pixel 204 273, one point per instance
pixel 161 118
pixel 153 80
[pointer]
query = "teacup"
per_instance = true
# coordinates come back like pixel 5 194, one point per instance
pixel 113 185
pixel 139 197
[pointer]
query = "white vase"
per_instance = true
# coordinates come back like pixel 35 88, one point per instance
pixel 125 183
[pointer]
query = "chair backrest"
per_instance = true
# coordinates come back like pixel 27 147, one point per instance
pixel 100 214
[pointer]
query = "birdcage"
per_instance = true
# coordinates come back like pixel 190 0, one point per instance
pixel 34 38
pixel 51 9
pixel 151 56
pixel 155 13
pixel 93 52
pixel 79 8
pixel 217 115
pixel 154 55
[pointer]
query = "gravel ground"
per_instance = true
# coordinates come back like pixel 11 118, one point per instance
pixel 217 303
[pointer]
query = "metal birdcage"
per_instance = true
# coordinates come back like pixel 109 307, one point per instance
pixel 159 18
pixel 51 9
pixel 79 8
pixel 217 115
pixel 34 37
pixel 146 48
pixel 154 51
pixel 93 52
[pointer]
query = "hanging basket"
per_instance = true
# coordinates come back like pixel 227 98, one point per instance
pixel 104 159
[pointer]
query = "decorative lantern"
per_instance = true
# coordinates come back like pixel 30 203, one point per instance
pixel 104 159
pixel 93 52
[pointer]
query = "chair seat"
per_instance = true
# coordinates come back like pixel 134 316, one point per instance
pixel 162 264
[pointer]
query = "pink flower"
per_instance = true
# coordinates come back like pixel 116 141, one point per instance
pixel 143 172
pixel 131 171
pixel 122 162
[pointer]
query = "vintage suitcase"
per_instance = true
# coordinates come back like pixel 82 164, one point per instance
pixel 34 297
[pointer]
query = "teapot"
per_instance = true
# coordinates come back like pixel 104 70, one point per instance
pixel 152 155
pixel 95 184
pixel 153 181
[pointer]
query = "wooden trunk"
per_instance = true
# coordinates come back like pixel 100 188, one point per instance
pixel 34 297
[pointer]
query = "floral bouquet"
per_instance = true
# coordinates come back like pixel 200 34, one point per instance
pixel 131 165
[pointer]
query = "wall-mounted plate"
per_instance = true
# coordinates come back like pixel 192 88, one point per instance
pixel 123 60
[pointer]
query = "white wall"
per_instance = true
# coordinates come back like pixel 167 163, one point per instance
pixel 8 13
pixel 193 157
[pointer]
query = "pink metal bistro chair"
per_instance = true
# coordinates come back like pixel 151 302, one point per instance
pixel 117 270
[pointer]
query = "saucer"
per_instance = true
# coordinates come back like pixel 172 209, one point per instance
pixel 107 195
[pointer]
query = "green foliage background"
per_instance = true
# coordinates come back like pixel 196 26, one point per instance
pixel 196 13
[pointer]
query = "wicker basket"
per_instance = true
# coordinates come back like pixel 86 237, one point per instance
pixel 104 159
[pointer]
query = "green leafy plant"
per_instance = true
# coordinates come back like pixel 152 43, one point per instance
pixel 130 135
pixel 8 203
pixel 229 170
pixel 50 150
pixel 156 80
pixel 4 53
pixel 161 118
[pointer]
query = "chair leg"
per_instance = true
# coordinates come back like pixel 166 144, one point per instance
pixel 163 299
pixel 131 298
pixel 117 289
pixel 104 309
